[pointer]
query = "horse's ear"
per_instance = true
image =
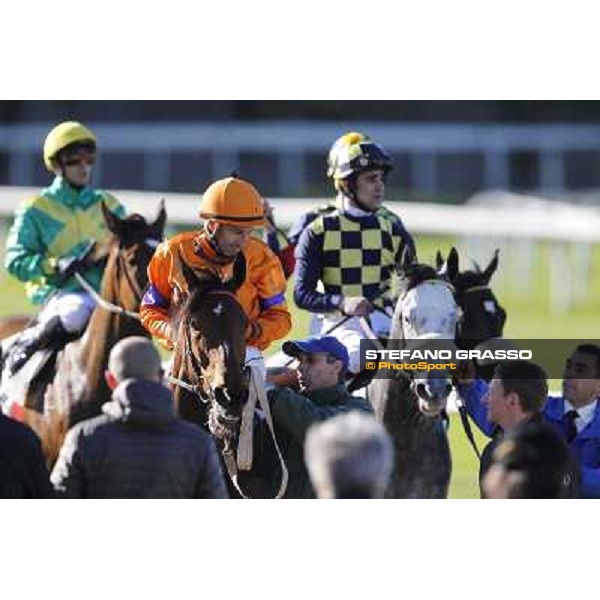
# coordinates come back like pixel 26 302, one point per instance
pixel 158 227
pixel 439 261
pixel 239 273
pixel 407 257
pixel 188 274
pixel 452 264
pixel 112 221
pixel 476 267
pixel 491 268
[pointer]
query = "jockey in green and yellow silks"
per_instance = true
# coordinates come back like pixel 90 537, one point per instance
pixel 51 230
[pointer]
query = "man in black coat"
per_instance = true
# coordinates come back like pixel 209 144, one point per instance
pixel 138 447
pixel 23 472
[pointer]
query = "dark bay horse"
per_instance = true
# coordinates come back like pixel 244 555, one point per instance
pixel 482 318
pixel 211 382
pixel 410 404
pixel 77 389
pixel 210 348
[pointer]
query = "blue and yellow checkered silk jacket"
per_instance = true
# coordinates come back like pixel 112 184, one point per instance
pixel 57 223
pixel 350 255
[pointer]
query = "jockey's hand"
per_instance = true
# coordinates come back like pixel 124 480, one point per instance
pixel 356 306
pixel 270 220
pixel 465 372
pixel 67 267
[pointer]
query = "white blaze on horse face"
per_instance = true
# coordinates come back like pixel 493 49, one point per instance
pixel 429 310
pixel 218 309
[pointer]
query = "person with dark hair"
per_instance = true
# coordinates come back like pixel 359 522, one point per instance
pixel 231 208
pixel 531 461
pixel 322 363
pixel 23 472
pixel 138 447
pixel 345 258
pixel 515 395
pixel 575 414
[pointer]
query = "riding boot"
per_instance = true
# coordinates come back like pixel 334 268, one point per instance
pixel 50 334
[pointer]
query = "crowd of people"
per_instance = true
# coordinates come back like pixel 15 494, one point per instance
pixel 342 257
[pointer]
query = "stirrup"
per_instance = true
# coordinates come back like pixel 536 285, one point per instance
pixel 18 358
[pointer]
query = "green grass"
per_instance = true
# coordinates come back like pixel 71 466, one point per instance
pixel 529 316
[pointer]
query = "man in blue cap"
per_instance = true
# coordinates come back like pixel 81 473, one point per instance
pixel 322 364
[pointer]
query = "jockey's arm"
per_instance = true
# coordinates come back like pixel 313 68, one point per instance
pixel 26 254
pixel 309 261
pixel 156 304
pixel 406 238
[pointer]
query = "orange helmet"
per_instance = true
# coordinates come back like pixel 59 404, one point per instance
pixel 233 201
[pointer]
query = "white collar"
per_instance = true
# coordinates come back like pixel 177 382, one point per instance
pixel 354 211
pixel 586 413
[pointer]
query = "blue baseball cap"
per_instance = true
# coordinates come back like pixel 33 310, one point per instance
pixel 319 343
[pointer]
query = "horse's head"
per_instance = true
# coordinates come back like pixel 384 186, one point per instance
pixel 426 312
pixel 131 249
pixel 482 318
pixel 210 347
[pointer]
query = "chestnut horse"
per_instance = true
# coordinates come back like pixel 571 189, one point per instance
pixel 78 390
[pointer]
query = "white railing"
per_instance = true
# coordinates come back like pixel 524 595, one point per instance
pixel 290 142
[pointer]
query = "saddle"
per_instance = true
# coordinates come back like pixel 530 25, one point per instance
pixel 28 385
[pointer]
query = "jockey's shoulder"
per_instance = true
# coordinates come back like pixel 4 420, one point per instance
pixel 33 201
pixel 385 213
pixel 320 221
pixel 324 209
pixel 175 242
pixel 259 250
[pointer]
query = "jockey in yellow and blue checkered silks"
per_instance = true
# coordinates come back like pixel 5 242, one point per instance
pixel 345 257
pixel 358 255
pixel 62 219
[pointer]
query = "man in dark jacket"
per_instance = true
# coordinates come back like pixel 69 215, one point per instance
pixel 23 472
pixel 138 448
pixel 323 362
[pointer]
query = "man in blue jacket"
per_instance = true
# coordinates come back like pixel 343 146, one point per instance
pixel 576 414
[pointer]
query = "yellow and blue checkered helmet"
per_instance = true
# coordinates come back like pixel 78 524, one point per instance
pixel 361 156
pixel 348 139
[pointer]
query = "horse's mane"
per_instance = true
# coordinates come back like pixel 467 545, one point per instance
pixel 468 279
pixel 416 273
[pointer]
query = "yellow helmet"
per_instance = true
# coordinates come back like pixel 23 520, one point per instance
pixel 233 201
pixel 348 139
pixel 64 135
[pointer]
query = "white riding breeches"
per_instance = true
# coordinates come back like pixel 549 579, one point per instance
pixel 351 333
pixel 73 308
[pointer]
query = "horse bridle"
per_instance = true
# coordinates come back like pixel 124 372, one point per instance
pixel 196 387
pixel 135 288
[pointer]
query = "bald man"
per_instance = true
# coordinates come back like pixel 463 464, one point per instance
pixel 138 447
